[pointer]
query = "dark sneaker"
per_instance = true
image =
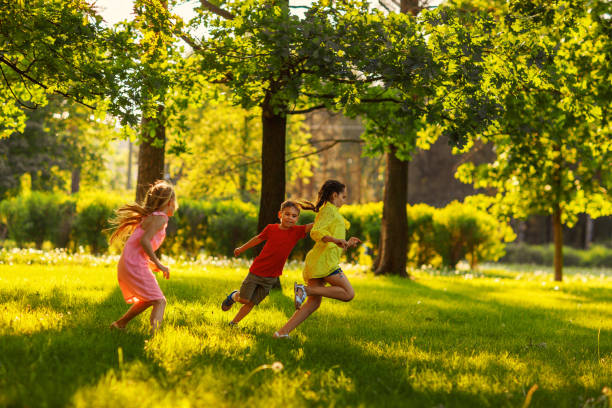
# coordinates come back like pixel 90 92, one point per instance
pixel 228 302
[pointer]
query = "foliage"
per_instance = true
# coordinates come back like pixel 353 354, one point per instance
pixel 421 249
pixel 59 138
pixel 554 140
pixel 594 257
pixel 91 225
pixel 37 217
pixel 225 146
pixel 59 47
pixel 460 232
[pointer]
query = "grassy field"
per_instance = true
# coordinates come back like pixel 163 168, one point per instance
pixel 440 340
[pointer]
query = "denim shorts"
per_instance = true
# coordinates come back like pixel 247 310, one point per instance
pixel 336 272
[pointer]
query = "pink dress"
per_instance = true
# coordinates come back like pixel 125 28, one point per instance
pixel 136 280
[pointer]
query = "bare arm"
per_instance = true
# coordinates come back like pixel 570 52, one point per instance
pixel 309 227
pixel 340 242
pixel 250 244
pixel 151 228
pixel 352 242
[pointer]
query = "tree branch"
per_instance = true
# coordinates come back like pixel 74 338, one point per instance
pixel 217 10
pixel 24 74
pixel 8 85
pixel 300 111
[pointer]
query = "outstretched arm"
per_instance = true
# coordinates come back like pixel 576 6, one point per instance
pixel 309 227
pixel 250 244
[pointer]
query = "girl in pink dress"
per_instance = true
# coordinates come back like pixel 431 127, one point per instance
pixel 146 227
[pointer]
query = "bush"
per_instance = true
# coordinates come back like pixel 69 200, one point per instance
pixel 421 237
pixel 91 225
pixel 37 217
pixel 521 253
pixel 365 222
pixel 231 224
pixel 188 227
pixel 465 231
pixel 213 227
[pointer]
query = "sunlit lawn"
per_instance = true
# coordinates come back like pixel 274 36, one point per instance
pixel 441 340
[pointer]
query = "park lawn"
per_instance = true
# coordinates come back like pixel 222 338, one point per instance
pixel 440 340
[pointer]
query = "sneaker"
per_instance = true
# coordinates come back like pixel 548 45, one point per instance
pixel 277 335
pixel 299 292
pixel 228 302
pixel 232 324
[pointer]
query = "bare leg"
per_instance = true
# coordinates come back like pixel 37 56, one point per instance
pixel 244 310
pixel 157 314
pixel 340 288
pixel 312 303
pixel 135 310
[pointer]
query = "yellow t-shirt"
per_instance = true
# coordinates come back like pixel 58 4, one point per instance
pixel 324 257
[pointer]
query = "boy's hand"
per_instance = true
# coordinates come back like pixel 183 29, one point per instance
pixel 237 251
pixel 353 242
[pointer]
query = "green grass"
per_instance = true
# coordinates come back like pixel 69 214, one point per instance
pixel 441 340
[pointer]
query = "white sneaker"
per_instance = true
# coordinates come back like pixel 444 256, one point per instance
pixel 299 292
pixel 277 335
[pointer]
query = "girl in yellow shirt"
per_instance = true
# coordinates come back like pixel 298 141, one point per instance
pixel 322 261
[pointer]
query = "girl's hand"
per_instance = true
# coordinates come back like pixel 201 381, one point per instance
pixel 353 242
pixel 341 243
pixel 237 251
pixel 165 270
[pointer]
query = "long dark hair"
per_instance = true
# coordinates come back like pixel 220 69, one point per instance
pixel 329 187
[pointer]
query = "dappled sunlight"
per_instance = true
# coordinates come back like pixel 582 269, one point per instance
pixel 433 340
pixel 134 385
pixel 19 319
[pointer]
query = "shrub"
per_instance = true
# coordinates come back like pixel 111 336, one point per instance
pixel 188 227
pixel 465 231
pixel 91 224
pixel 38 216
pixel 521 253
pixel 421 239
pixel 230 224
pixel 365 222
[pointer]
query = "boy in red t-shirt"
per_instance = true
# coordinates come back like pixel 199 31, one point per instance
pixel 268 265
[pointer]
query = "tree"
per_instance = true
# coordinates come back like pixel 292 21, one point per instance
pixel 228 152
pixel 436 82
pixel 58 47
pixel 285 65
pixel 553 142
pixel 60 141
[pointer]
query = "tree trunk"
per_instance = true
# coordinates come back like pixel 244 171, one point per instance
pixel 243 170
pixel 129 166
pixel 75 183
pixel 150 155
pixel 272 168
pixel 393 249
pixel 394 228
pixel 588 231
pixel 558 239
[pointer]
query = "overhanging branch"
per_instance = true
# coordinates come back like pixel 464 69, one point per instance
pixel 217 10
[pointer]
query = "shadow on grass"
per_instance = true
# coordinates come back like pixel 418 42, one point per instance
pixel 47 367
pixel 328 347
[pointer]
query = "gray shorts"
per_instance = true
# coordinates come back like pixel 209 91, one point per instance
pixel 255 288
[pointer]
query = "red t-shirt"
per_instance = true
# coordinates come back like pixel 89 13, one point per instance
pixel 279 243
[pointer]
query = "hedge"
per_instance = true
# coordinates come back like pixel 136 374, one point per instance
pixel 438 237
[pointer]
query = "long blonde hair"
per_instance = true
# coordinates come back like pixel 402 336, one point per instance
pixel 129 216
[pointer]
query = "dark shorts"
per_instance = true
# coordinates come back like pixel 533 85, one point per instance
pixel 336 272
pixel 255 288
